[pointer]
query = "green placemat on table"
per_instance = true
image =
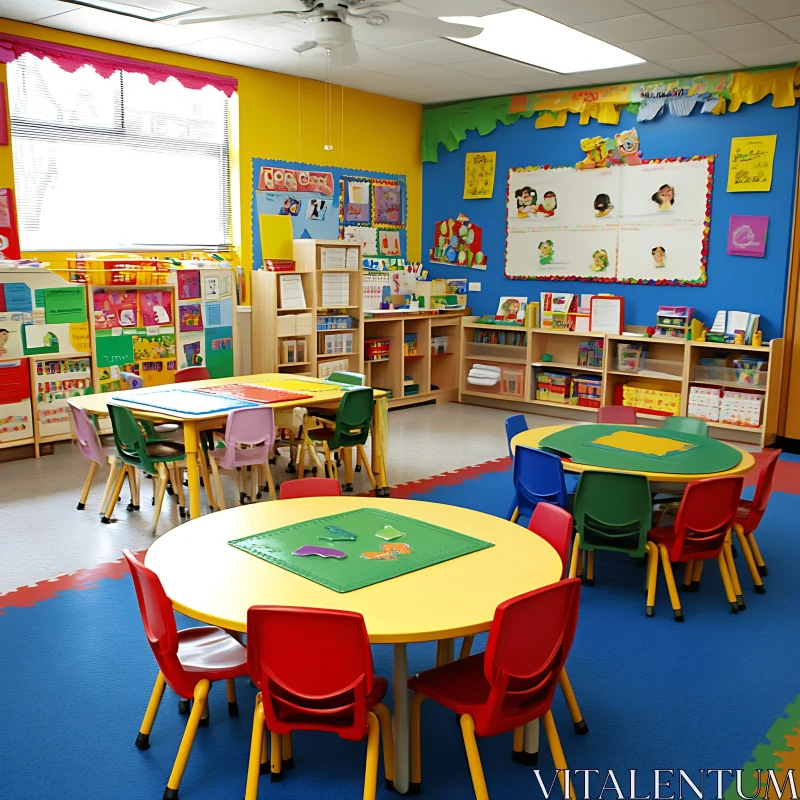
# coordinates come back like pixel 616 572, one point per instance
pixel 690 454
pixel 429 545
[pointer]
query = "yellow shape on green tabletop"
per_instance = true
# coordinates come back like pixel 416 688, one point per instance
pixel 642 443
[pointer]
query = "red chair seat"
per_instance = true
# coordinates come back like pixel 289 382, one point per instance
pixel 691 551
pixel 211 650
pixel 460 686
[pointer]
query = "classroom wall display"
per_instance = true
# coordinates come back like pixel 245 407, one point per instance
pixel 747 236
pixel 458 242
pixel 330 205
pixel 751 162
pixel 479 169
pixel 624 223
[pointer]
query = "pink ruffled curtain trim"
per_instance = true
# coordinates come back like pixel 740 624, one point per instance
pixel 73 58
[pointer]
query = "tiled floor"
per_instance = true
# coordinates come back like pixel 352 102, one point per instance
pixel 42 535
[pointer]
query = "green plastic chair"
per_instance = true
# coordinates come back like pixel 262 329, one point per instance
pixel 149 455
pixel 351 428
pixel 698 427
pixel 612 512
pixel 351 378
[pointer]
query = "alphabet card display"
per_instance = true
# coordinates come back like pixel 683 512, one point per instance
pixel 642 222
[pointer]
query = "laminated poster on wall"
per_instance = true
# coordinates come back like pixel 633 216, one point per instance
pixel 459 243
pixel 219 351
pixel 387 204
pixel 155 308
pixel 191 317
pixel 219 314
pixel 747 236
pixel 189 284
pixel 67 304
pixel 16 296
pixel 365 236
pixel 751 162
pixel 479 170
pixel 356 201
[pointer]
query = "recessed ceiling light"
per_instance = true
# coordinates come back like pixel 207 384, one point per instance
pixel 524 36
pixel 150 10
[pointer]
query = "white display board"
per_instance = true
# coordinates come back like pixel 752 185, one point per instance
pixel 647 223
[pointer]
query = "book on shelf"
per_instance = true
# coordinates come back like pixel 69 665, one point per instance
pixel 292 294
pixel 333 258
pixel 335 290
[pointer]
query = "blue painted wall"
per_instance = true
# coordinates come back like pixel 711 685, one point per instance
pixel 734 282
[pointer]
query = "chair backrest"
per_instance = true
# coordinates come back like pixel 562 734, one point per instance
pixel 353 418
pixel 515 424
pixel 698 427
pixel 554 525
pixel 762 493
pixel 188 374
pixel 85 433
pixel 706 512
pixel 249 436
pixel 159 625
pixel 129 439
pixel 352 378
pixel 538 478
pixel 528 645
pixel 617 415
pixel 613 512
pixel 310 487
pixel 313 667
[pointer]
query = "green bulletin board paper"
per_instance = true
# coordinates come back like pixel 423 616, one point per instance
pixel 39 298
pixel 219 351
pixel 113 351
pixel 706 456
pixel 430 545
pixel 67 304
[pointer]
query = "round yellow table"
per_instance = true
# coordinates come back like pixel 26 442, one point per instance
pixel 209 580
pixel 532 437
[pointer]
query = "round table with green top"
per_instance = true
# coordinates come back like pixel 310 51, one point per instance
pixel 663 456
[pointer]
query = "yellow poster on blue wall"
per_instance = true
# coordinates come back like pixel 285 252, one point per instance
pixel 751 161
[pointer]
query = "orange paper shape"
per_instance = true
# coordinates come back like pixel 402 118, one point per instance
pixel 389 552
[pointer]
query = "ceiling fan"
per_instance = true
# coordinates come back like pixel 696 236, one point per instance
pixel 329 24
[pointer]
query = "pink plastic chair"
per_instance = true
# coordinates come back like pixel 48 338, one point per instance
pixel 93 450
pixel 617 415
pixel 249 438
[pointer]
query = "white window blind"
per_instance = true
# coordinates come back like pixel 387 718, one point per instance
pixel 117 163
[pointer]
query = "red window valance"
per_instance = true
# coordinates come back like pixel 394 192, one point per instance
pixel 73 58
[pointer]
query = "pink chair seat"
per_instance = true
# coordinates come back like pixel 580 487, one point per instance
pixel 211 649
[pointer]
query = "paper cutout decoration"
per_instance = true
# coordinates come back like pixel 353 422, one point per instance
pixel 387 204
pixel 279 179
pixel 338 535
pixel 389 533
pixel 388 552
pixel 750 165
pixel 479 169
pixel 747 236
pixel 322 552
pixel 596 149
pixel 633 442
pixel 623 148
pixel 626 146
pixel 458 242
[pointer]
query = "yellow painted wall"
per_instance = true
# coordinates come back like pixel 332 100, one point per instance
pixel 282 117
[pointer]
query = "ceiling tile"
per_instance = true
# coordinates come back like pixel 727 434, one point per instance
pixel 248 55
pixel 389 63
pixel 708 15
pixel 577 12
pixel 744 37
pixel 440 76
pixel 629 29
pixel 457 8
pixel 396 87
pixel 493 88
pixel 768 56
pixel 387 35
pixel 636 72
pixel 769 9
pixel 789 25
pixel 698 65
pixel 31 10
pixel 499 68
pixel 657 5
pixel 682 46
pixel 439 51
pixel 273 37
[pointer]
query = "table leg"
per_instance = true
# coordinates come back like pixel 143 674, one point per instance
pixel 401 708
pixel 191 443
pixel 531 738
pixel 380 435
pixel 347 457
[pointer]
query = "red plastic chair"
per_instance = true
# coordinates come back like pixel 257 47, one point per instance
pixel 314 670
pixel 617 415
pixel 189 662
pixel 701 532
pixel 310 487
pixel 188 374
pixel 748 518
pixel 509 685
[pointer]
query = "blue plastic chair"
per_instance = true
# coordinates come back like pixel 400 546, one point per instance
pixel 514 424
pixel 538 478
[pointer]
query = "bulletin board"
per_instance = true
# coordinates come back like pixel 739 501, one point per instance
pixel 646 223
pixel 332 203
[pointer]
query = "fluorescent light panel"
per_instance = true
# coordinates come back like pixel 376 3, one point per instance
pixel 528 37
pixel 150 10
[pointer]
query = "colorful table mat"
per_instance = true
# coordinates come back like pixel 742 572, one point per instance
pixel 304 386
pixel 264 394
pixel 642 449
pixel 184 401
pixel 377 533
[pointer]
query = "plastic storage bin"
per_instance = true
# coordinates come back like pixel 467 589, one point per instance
pixel 586 390
pixel 650 400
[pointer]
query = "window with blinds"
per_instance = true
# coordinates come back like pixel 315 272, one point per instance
pixel 117 163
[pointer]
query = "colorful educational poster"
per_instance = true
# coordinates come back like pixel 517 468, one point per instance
pixel 155 308
pixel 280 179
pixel 751 162
pixel 479 171
pixel 113 351
pixel 189 284
pixel 16 297
pixel 645 223
pixel 191 317
pixel 67 304
pixel 747 236
pixel 387 204
pixel 219 352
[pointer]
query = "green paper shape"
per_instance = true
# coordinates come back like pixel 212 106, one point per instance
pixel 707 455
pixel 50 337
pixel 389 534
pixel 430 545
pixel 67 304
pixel 113 351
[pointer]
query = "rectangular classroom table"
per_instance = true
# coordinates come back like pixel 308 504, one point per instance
pixel 97 405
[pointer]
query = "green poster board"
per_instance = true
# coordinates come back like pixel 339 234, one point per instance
pixel 67 304
pixel 39 340
pixel 429 545
pixel 113 351
pixel 219 351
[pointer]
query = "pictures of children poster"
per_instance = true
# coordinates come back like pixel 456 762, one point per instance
pixel 191 317
pixel 387 204
pixel 747 236
pixel 630 223
pixel 511 309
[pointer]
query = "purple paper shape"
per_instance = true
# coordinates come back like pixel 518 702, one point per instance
pixel 323 552
pixel 747 235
